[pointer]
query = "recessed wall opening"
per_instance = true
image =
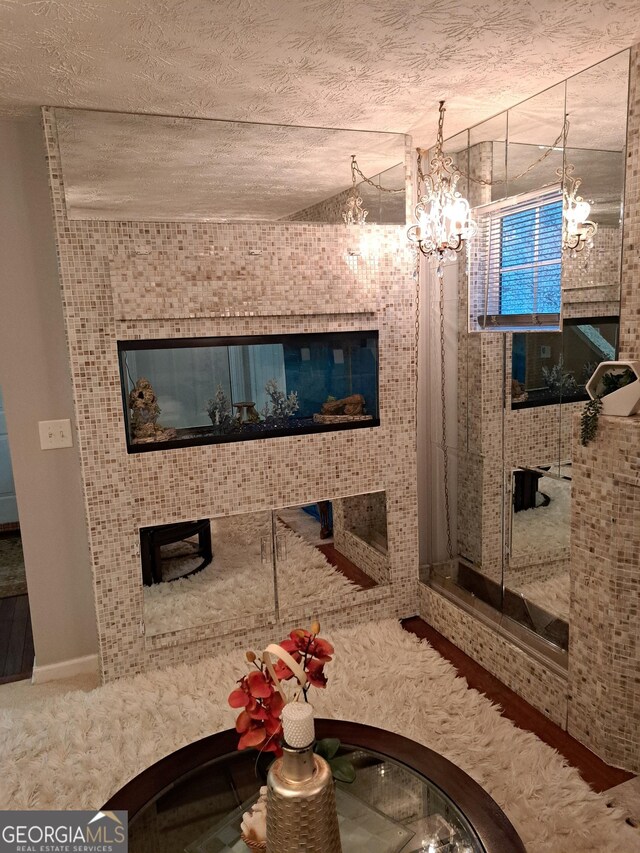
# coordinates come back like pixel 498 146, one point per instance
pixel 188 391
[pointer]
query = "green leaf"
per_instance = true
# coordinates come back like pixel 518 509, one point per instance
pixel 342 769
pixel 327 747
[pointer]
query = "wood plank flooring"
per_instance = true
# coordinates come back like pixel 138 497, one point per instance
pixel 598 775
pixel 16 639
pixel 346 567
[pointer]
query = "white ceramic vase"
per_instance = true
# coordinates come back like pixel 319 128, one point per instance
pixel 623 402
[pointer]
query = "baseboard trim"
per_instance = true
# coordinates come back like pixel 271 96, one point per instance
pixel 87 665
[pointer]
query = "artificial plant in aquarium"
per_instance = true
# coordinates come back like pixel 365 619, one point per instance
pixel 219 410
pixel 279 407
pixel 235 389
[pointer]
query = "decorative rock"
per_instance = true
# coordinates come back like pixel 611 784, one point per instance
pixel 144 415
pixel 353 405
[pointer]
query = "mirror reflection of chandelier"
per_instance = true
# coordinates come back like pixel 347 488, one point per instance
pixel 443 215
pixel 578 230
pixel 352 211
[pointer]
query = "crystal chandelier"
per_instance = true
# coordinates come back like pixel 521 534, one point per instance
pixel 352 211
pixel 443 214
pixel 578 230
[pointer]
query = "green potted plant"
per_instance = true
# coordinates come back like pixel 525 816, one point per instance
pixel 614 389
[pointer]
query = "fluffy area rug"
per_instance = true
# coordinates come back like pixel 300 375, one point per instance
pixel 545 529
pixel 551 595
pixel 75 751
pixel 237 581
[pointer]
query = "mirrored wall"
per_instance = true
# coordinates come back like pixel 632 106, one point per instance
pixel 123 166
pixel 262 566
pixel 512 397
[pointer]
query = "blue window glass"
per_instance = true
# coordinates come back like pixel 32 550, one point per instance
pixel 530 260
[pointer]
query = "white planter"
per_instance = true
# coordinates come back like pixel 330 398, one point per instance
pixel 623 402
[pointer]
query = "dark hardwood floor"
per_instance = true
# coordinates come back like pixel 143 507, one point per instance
pixel 16 639
pixel 346 567
pixel 598 775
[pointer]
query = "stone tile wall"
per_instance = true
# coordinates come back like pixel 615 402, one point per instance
pixel 123 280
pixel 539 685
pixel 604 651
pixel 630 299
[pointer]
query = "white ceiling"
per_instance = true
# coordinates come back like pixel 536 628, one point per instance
pixel 366 64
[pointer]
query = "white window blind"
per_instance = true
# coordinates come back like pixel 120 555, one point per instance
pixel 515 264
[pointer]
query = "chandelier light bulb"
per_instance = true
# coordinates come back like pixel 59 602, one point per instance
pixel 443 215
pixel 578 230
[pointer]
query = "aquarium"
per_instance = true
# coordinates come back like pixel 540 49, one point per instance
pixel 554 367
pixel 188 391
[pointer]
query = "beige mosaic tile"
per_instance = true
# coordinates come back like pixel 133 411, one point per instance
pixel 123 280
pixel 630 298
pixel 526 676
pixel 604 652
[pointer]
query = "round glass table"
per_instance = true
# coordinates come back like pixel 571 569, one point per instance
pixel 405 798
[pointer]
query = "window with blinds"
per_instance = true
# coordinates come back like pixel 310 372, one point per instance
pixel 516 264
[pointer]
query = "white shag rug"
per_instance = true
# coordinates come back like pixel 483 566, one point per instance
pixel 237 582
pixel 545 529
pixel 76 751
pixel 551 594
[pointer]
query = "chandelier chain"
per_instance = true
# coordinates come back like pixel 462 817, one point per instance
pixel 560 138
pixel 440 136
pixel 417 341
pixel 356 168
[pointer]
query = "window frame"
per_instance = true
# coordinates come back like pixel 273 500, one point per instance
pixel 485 275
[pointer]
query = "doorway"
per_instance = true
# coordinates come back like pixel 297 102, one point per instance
pixel 16 637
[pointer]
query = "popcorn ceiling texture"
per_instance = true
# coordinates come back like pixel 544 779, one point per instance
pixel 121 280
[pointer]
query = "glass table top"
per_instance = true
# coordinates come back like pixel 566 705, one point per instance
pixel 388 809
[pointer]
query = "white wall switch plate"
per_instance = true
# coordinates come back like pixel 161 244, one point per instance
pixel 54 434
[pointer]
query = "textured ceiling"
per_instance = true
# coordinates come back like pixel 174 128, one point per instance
pixel 376 65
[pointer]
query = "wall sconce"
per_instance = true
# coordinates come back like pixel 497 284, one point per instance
pixel 443 214
pixel 578 230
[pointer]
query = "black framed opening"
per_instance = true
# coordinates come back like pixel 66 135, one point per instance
pixel 550 368
pixel 182 392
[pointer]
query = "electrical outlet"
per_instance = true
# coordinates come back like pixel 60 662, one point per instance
pixel 55 434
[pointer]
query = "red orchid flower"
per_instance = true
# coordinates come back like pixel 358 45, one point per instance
pixel 305 643
pixel 258 723
pixel 315 673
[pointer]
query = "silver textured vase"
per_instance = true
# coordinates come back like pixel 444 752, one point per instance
pixel 301 804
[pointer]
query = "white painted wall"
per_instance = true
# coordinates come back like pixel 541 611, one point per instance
pixel 34 374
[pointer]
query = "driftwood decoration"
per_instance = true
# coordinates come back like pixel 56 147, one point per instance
pixel 353 405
